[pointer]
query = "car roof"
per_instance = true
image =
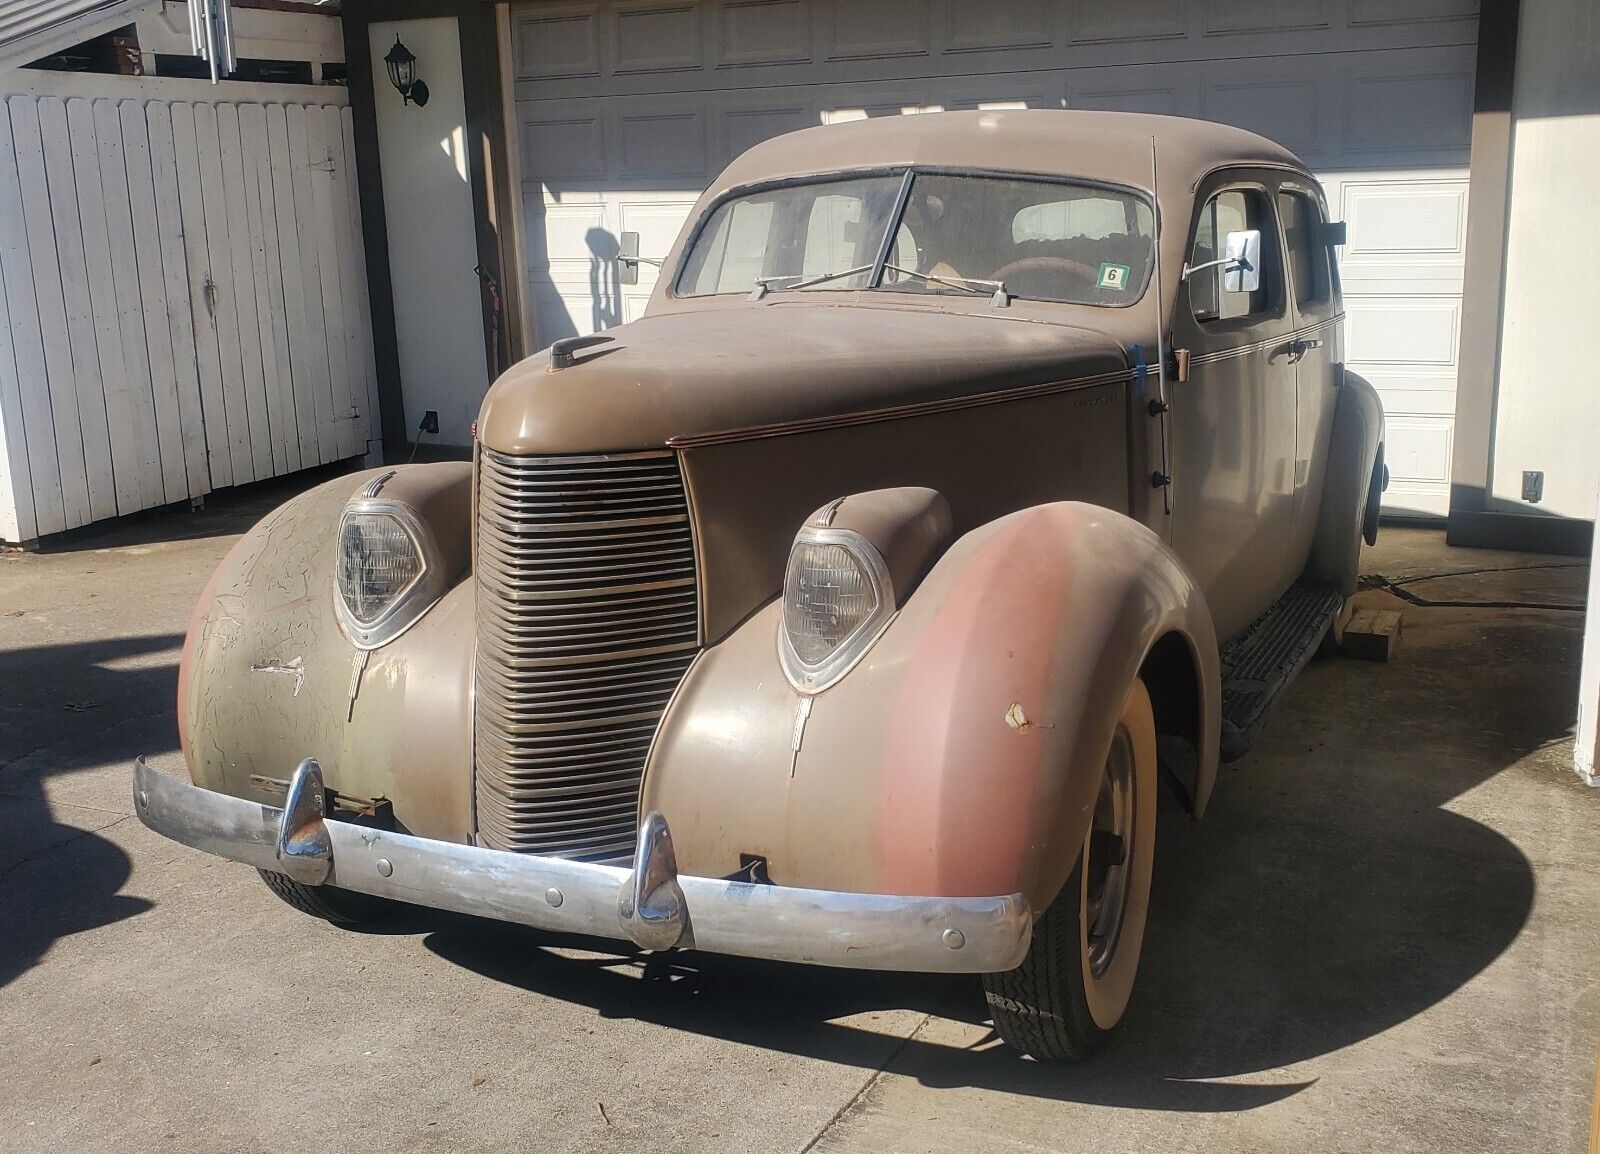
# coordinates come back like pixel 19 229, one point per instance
pixel 1104 146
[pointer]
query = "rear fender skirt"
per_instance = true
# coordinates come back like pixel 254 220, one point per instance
pixel 962 756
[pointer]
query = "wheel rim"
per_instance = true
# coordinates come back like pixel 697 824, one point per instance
pixel 1108 862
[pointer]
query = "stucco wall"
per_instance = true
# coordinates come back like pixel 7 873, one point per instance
pixel 427 203
pixel 1547 412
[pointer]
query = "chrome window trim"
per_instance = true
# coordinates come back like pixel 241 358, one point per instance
pixel 414 600
pixel 813 679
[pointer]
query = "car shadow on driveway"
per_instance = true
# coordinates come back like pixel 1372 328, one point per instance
pixel 1320 937
pixel 70 710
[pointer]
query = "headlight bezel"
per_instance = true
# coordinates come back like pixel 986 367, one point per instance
pixel 808 678
pixel 408 607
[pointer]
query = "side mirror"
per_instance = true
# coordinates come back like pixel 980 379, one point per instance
pixel 1242 270
pixel 628 259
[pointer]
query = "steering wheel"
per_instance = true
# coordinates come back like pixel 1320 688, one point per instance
pixel 1046 264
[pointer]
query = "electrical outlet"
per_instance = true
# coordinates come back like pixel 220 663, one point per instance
pixel 1532 486
pixel 430 423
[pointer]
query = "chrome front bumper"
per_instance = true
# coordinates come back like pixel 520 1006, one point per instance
pixel 650 905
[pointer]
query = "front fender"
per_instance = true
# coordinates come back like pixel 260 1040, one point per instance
pixel 962 756
pixel 266 676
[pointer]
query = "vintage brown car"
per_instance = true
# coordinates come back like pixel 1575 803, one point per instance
pixel 844 607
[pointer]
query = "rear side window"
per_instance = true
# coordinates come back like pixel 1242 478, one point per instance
pixel 1235 210
pixel 1308 259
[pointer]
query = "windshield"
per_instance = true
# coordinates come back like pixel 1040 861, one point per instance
pixel 957 234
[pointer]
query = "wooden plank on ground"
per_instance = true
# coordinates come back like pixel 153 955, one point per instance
pixel 202 295
pixel 1371 635
pixel 305 209
pixel 179 306
pixel 152 299
pixel 223 295
pixel 69 232
pixel 27 345
pixel 52 309
pixel 303 359
pixel 323 139
pixel 260 228
pixel 353 274
pixel 112 366
pixel 137 447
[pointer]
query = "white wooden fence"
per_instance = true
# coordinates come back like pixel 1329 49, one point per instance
pixel 183 296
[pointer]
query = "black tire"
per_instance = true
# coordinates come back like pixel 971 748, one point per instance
pixel 1068 995
pixel 330 903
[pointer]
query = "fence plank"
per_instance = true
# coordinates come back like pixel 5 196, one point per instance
pixel 89 384
pixel 202 294
pixel 322 138
pixel 226 311
pixel 113 369
pixel 17 520
pixel 311 274
pixel 175 294
pixel 269 303
pixel 353 274
pixel 52 309
pixel 152 299
pixel 244 288
pixel 137 447
pixel 27 341
pixel 301 351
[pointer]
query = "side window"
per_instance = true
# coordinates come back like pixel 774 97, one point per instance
pixel 1308 260
pixel 1235 210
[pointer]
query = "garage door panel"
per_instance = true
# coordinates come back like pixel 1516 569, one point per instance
pixel 1131 20
pixel 1384 12
pixel 1436 106
pixel 649 36
pixel 652 143
pixel 1404 229
pixel 1164 89
pixel 561 147
pixel 999 24
pixel 558 41
pixel 873 29
pixel 1291 108
pixel 1403 331
pixel 1253 16
pixel 740 127
pixel 765 32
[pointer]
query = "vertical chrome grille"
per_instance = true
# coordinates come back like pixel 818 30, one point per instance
pixel 587 621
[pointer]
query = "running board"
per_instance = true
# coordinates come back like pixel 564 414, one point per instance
pixel 1259 663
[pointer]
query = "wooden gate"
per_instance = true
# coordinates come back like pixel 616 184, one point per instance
pixel 183 296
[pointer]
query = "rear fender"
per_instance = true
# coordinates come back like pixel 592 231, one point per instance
pixel 962 755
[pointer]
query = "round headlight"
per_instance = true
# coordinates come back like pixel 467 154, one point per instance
pixel 837 598
pixel 386 575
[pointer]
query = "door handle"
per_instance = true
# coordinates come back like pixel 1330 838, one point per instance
pixel 1299 348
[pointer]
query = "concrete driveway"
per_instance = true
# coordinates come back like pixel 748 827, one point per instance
pixel 1383 937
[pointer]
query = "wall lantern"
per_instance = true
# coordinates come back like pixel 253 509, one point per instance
pixel 402 64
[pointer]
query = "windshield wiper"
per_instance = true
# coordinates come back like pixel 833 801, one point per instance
pixel 1000 299
pixel 763 283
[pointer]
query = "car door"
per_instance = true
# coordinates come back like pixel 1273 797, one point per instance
pixel 1234 419
pixel 1316 349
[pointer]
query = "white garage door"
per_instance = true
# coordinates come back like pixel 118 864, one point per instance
pixel 628 108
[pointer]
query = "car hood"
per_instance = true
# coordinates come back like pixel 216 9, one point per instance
pixel 761 367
